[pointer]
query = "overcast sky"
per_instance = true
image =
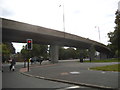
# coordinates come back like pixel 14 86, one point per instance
pixel 81 16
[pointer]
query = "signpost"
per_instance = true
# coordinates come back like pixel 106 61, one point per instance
pixel 29 47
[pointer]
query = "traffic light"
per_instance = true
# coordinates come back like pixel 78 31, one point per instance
pixel 29 44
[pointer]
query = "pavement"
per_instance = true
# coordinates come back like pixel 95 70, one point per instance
pixel 74 72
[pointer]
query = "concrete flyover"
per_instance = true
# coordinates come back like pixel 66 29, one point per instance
pixel 14 31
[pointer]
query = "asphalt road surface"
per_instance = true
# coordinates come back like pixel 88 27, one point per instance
pixel 15 80
pixel 78 72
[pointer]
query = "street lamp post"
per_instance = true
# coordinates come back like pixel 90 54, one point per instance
pixel 119 6
pixel 63 20
pixel 98 32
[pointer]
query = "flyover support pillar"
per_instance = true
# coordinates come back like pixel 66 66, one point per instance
pixel 92 52
pixel 54 53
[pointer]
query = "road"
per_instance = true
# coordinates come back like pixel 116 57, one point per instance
pixel 15 80
pixel 74 71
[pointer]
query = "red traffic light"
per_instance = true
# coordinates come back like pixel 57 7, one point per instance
pixel 29 44
pixel 29 41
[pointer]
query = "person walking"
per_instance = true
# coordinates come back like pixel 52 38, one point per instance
pixel 41 59
pixel 12 66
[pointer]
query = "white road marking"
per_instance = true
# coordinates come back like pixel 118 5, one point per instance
pixel 72 87
pixel 103 72
pixel 74 72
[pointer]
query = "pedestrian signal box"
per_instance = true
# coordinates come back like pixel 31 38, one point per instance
pixel 29 44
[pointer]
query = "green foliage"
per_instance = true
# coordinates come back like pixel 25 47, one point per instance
pixel 115 67
pixel 24 52
pixel 115 37
pixel 7 49
pixel 71 53
pixel 107 60
pixel 18 57
pixel 83 53
pixel 68 53
pixel 38 50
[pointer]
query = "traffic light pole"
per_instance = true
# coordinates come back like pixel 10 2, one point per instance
pixel 28 66
pixel 29 47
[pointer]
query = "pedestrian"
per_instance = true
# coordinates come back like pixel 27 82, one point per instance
pixel 41 59
pixel 81 59
pixel 12 66
pixel 31 60
pixel 25 63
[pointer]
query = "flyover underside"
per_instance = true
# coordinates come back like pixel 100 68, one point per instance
pixel 20 36
pixel 9 35
pixel 13 31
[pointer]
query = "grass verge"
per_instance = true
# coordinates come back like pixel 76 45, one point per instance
pixel 115 67
pixel 107 60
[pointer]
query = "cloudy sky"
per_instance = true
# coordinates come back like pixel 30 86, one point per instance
pixel 81 16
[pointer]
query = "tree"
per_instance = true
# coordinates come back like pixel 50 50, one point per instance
pixel 10 47
pixel 68 53
pixel 25 53
pixel 38 50
pixel 7 50
pixel 72 53
pixel 115 37
pixel 83 53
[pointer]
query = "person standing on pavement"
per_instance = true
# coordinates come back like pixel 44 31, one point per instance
pixel 41 59
pixel 31 60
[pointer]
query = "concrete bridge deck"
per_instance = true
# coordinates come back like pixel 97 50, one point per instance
pixel 14 31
